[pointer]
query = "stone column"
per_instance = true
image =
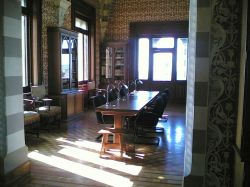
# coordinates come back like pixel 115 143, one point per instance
pixel 62 7
pixel 13 152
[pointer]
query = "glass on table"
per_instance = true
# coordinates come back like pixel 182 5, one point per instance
pixel 108 90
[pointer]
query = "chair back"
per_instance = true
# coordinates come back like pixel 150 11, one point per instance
pixel 165 98
pixel 124 90
pixel 112 94
pixel 146 119
pixel 99 100
pixel 38 91
pixel 159 106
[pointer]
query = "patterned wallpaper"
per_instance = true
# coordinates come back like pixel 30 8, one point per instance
pixel 49 19
pixel 224 75
pixel 105 8
pixel 126 11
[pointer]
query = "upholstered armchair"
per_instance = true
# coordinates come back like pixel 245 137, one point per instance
pixel 45 106
pixel 31 117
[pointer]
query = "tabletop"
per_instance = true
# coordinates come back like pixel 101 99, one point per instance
pixel 134 102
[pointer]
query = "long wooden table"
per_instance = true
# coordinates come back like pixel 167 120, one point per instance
pixel 129 106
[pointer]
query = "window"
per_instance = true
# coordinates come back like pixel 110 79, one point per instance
pixel 31 41
pixel 83 20
pixel 83 48
pixel 25 29
pixel 24 51
pixel 181 62
pixel 162 58
pixel 143 58
pixel 162 66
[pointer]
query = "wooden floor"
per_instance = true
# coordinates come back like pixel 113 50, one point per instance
pixel 69 156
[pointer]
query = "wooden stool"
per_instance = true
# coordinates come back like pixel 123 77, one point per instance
pixel 118 144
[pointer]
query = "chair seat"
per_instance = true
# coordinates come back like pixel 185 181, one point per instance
pixel 31 117
pixel 49 115
pixel 31 122
pixel 119 144
pixel 46 111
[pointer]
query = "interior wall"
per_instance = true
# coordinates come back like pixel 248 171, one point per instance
pixel 127 11
pixel 2 94
pixel 50 19
pixel 223 95
pixel 50 15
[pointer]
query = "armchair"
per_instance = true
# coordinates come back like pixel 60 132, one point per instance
pixel 31 117
pixel 49 113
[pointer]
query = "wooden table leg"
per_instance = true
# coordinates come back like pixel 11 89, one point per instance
pixel 117 125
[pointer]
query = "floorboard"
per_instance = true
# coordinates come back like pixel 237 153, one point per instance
pixel 69 156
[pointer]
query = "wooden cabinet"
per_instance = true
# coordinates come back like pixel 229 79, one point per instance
pixel 63 71
pixel 72 103
pixel 79 103
pixel 62 60
pixel 114 63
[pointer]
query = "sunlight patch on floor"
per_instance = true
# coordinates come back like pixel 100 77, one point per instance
pixel 82 170
pixel 82 143
pixel 94 158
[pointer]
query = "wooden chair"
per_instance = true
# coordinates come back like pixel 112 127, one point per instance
pixel 106 120
pixel 146 122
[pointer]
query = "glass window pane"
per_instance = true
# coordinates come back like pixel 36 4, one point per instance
pixel 65 44
pixel 73 68
pixel 81 24
pixel 24 51
pixel 83 59
pixel 86 57
pixel 181 65
pixel 24 3
pixel 167 42
pixel 80 57
pixel 143 58
pixel 65 58
pixel 162 66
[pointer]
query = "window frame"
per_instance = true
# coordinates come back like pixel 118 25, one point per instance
pixel 154 50
pixel 84 32
pixel 86 12
pixel 33 31
pixel 156 29
pixel 26 12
